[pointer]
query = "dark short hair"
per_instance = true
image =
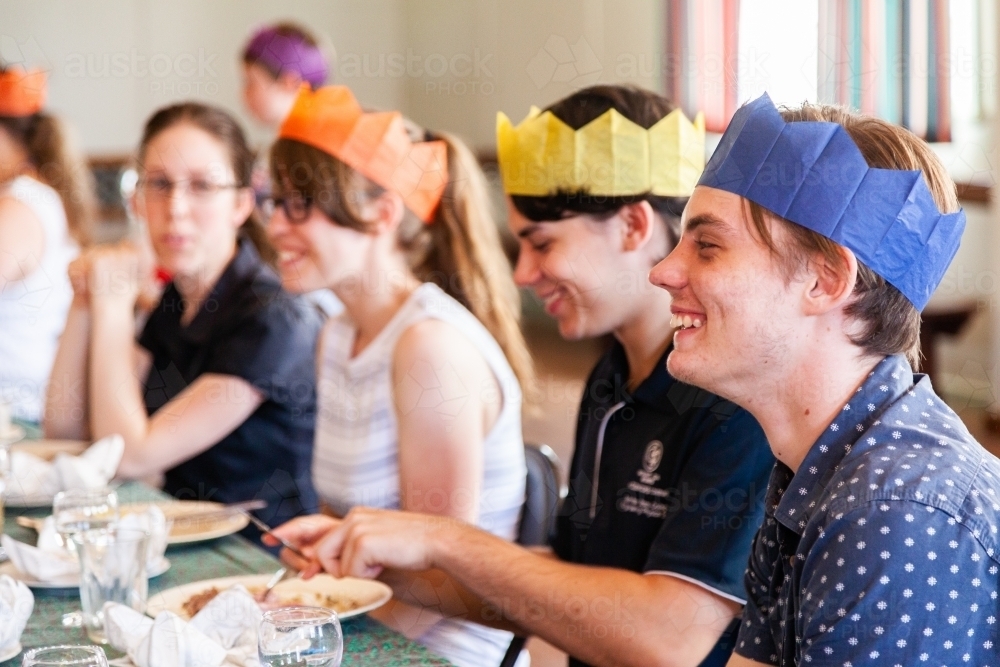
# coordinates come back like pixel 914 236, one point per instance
pixel 644 108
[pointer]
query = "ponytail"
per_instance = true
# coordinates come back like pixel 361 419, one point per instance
pixel 60 165
pixel 466 259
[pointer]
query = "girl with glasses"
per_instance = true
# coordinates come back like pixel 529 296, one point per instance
pixel 419 399
pixel 217 393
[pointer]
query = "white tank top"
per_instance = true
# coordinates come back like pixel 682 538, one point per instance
pixel 355 460
pixel 33 310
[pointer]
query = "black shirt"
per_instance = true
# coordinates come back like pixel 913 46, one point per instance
pixel 681 481
pixel 248 327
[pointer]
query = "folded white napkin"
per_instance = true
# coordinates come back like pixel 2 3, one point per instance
pixel 31 477
pixel 16 603
pixel 224 632
pixel 50 560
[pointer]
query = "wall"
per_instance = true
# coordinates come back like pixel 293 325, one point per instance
pixel 450 64
pixel 112 62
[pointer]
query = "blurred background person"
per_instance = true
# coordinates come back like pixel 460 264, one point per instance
pixel 277 61
pixel 47 207
pixel 217 394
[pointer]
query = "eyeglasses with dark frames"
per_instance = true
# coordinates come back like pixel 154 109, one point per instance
pixel 295 206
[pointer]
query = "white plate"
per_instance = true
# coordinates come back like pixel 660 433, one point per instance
pixel 182 532
pixel 69 581
pixel 11 652
pixel 185 532
pixel 365 594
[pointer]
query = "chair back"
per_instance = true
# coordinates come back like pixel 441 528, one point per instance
pixel 543 494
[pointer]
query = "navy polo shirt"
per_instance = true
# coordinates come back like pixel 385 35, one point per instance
pixel 882 548
pixel 681 476
pixel 248 327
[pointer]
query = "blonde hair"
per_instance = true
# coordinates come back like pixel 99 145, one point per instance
pixel 890 324
pixel 60 165
pixel 459 250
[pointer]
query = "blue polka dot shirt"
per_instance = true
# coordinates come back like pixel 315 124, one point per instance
pixel 882 548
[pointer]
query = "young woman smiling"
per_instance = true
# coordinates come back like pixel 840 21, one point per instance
pixel 419 395
pixel 217 393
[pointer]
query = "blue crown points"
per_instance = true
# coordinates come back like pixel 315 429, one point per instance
pixel 812 173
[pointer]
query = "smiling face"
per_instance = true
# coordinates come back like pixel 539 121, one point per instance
pixel 578 268
pixel 317 253
pixel 723 276
pixel 193 228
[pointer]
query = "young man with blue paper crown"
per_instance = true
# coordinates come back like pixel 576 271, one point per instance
pixel 813 240
pixel 667 481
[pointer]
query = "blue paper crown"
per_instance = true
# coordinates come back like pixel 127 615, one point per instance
pixel 813 174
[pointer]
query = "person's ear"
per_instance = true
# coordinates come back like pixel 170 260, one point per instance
pixel 638 224
pixel 385 212
pixel 830 283
pixel 246 201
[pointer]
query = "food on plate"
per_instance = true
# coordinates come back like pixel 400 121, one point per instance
pixel 339 603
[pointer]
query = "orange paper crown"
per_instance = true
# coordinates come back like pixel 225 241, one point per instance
pixel 375 144
pixel 21 93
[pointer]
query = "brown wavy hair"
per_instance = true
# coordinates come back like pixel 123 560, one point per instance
pixel 59 163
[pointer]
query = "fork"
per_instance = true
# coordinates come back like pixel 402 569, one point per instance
pixel 269 531
pixel 279 576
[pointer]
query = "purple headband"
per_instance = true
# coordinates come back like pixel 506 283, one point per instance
pixel 285 53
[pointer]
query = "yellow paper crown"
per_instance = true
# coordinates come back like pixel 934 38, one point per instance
pixel 610 156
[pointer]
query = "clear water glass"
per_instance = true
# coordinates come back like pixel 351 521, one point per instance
pixel 112 569
pixel 4 477
pixel 77 656
pixel 300 636
pixel 81 510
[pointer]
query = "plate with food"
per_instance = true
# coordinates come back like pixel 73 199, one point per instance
pixel 348 596
pixel 72 580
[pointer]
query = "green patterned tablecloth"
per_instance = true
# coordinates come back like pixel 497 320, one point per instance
pixel 366 642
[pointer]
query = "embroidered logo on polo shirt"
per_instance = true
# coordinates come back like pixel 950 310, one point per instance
pixel 642 497
pixel 654 454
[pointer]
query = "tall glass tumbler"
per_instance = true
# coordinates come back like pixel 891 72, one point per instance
pixel 112 569
pixel 4 477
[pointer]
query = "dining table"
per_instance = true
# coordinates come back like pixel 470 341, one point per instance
pixel 366 641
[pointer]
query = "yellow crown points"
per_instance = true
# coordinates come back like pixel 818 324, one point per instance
pixel 610 156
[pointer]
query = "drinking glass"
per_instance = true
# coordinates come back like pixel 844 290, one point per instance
pixel 4 477
pixel 300 637
pixel 112 569
pixel 76 656
pixel 81 510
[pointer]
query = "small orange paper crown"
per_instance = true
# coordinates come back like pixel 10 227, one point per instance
pixel 21 93
pixel 375 144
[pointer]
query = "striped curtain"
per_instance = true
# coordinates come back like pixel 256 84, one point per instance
pixel 702 52
pixel 889 58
